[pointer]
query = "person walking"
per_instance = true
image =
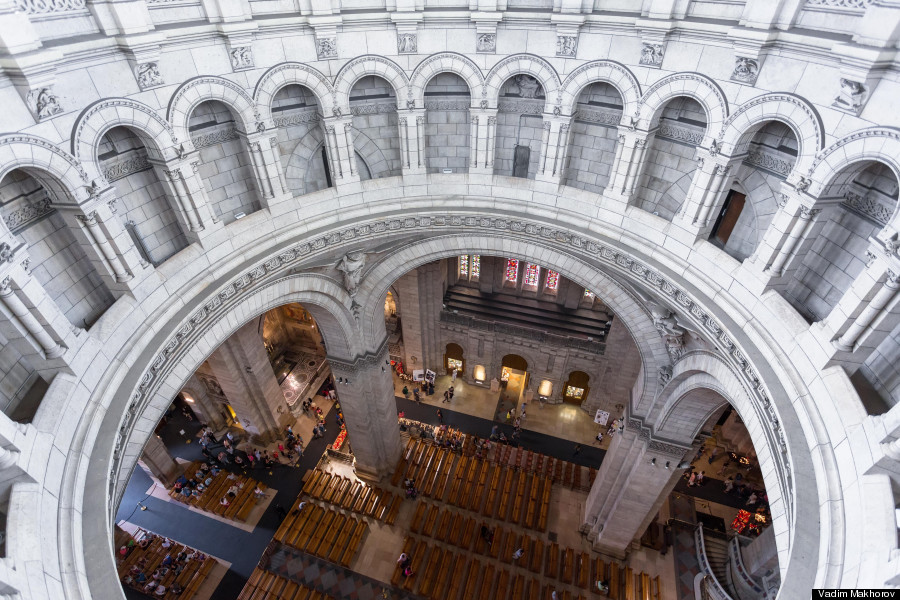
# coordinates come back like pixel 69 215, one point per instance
pixel 450 391
pixel 453 376
pixel 440 416
pixel 577 450
pixel 446 396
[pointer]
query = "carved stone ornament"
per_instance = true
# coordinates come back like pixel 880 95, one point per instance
pixel 652 54
pixel 351 265
pixel 148 76
pixel 664 375
pixel 566 45
pixel 484 104
pixel 326 48
pixel 486 43
pixel 528 86
pixel 670 330
pixel 43 103
pixel 852 96
pixel 746 70
pixel 6 253
pixel 241 58
pixel 407 43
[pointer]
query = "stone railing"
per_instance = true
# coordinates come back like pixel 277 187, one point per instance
pixel 713 589
pixel 737 564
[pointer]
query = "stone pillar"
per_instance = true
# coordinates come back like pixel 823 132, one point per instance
pixel 868 311
pixel 242 368
pixel 195 214
pixel 481 140
pixel 156 457
pixel 628 163
pixel 267 171
pixel 365 390
pixel 411 318
pixel 554 148
pixel 629 489
pixel 412 141
pixel 706 195
pixel 339 146
pixel 196 390
pixel 430 297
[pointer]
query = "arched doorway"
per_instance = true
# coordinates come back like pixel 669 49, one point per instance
pixel 513 376
pixel 453 359
pixel 577 388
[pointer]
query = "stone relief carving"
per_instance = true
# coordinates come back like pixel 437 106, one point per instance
pixel 28 213
pixel 852 96
pixel 125 167
pixel 241 58
pixel 768 161
pixel 43 103
pixel 681 134
pixel 566 45
pixel 665 322
pixel 528 86
pixel 746 70
pixel 351 265
pixel 6 253
pixel 664 375
pixel 216 137
pixel 487 42
pixel 42 7
pixel 407 43
pixel 148 76
pixel 869 207
pixel 326 48
pixel 652 54
pixel 847 4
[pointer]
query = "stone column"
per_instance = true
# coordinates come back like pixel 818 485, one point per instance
pixel 156 457
pixel 481 140
pixel 365 390
pixel 33 323
pixel 196 390
pixel 195 214
pixel 628 163
pixel 869 310
pixel 412 141
pixel 629 489
pixel 267 170
pixel 242 368
pixel 706 195
pixel 410 317
pixel 431 279
pixel 339 146
pixel 553 152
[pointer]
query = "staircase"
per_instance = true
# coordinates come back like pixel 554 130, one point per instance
pixel 717 555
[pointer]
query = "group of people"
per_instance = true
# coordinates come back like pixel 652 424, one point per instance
pixel 195 485
pixel 412 491
pixel 152 584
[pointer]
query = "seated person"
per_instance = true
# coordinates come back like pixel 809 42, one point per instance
pixel 176 589
pixel 224 501
pixel 160 590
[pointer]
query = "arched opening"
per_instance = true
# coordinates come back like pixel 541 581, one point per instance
pixel 58 259
pixel 520 127
pixel 447 129
pixel 225 165
pixel 376 137
pixel 856 205
pixel 669 163
pixel 771 152
pixel 297 115
pixel 576 388
pixel 454 360
pixel 152 222
pixel 513 377
pixel 594 131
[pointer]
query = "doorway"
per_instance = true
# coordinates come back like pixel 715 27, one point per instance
pixel 513 377
pixel 728 218
pixel 521 157
pixel 453 359
pixel 577 388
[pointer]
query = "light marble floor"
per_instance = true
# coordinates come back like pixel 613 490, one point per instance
pixel 564 421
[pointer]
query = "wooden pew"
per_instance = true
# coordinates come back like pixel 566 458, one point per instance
pixel 583 562
pixel 408 545
pixel 487 582
pixel 598 573
pixel 534 505
pixel 478 495
pixel 457 577
pixel 336 548
pixel 615 581
pixel 353 545
pixel 444 478
pixel 461 471
pixel 508 548
pixel 532 589
pixel 502 584
pixel 518 588
pixel 469 534
pixel 432 480
pixel 629 584
pixel 418 518
pixel 445 570
pixel 536 564
pixel 330 523
pixel 552 568
pixel 426 584
pixel 504 496
pixel 430 520
pixel 488 509
pixel 516 516
pixel 360 505
pixel 350 496
pixel 499 534
pixel 419 556
pixel 471 580
pixel 545 505
pixel 568 565
pixel 443 530
pixel 456 530
pixel 391 517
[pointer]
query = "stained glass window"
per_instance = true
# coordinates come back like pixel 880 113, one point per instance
pixel 512 270
pixel 475 269
pixel 464 265
pixel 531 274
pixel 588 295
pixel 552 280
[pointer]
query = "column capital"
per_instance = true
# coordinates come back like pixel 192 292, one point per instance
pixel 360 362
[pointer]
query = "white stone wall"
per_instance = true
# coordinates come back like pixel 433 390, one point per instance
pixel 519 123
pixel 142 198
pixel 447 128
pixel 224 163
pixel 593 138
pixel 297 115
pixel 376 133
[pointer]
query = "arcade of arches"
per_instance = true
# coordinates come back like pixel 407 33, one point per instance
pixel 639 241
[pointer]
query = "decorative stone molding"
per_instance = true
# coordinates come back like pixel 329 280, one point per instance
pixel 125 166
pixel 446 105
pixel 512 105
pixel 148 75
pixel 566 45
pixel 373 108
pixel 604 71
pixel 669 130
pixel 25 139
pixel 308 116
pixel 844 5
pixel 769 161
pixel 869 207
pixel 656 96
pixel 811 127
pixel 216 137
pixel 486 43
pixel 407 43
pixel 852 96
pixel 601 116
pixel 181 106
pixel 326 48
pixel 43 103
pixel 28 213
pixel 746 70
pixel 7 254
pixel 361 363
pixel 652 54
pixel 524 64
pixel 46 7
pixel 241 58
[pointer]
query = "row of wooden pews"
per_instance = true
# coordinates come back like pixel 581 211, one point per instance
pixel 263 585
pixel 326 533
pixel 355 496
pixel 624 583
pixel 192 576
pixel 239 507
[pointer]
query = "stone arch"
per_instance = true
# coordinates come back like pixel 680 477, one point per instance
pixel 522 64
pixel 292 73
pixel 601 71
pixel 374 160
pixel 200 89
pixel 878 144
pixel 792 110
pixel 300 163
pixel 445 62
pixel 693 85
pixel 368 64
pixel 157 135
pixel 55 169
